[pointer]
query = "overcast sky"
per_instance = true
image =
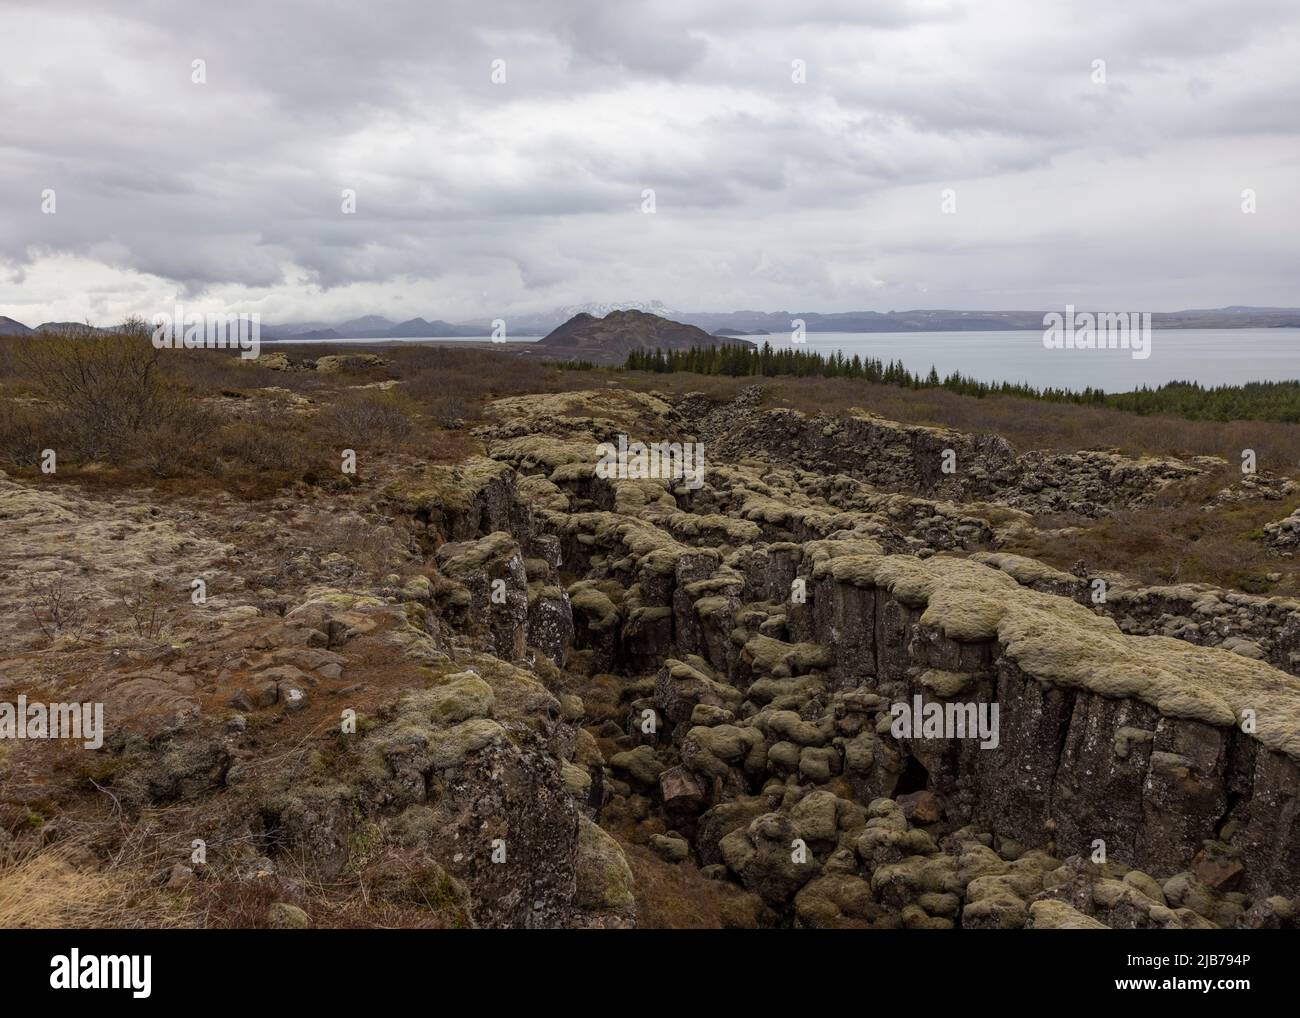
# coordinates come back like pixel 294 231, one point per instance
pixel 479 199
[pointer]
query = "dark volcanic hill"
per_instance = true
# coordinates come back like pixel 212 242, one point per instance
pixel 8 327
pixel 612 338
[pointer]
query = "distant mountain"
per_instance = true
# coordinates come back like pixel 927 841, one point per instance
pixel 364 324
pixel 292 329
pixel 608 340
pixel 1228 318
pixel 67 327
pixel 777 323
pixel 728 324
pixel 418 327
pixel 925 320
pixel 374 327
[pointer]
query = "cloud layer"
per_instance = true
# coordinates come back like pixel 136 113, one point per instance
pixel 477 198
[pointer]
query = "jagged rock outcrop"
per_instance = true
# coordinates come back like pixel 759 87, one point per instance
pixel 947 464
pixel 1152 746
pixel 1284 535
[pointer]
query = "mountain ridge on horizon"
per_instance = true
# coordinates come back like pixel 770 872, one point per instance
pixel 742 322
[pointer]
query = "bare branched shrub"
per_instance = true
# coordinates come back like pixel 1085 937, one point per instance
pixel 444 396
pixel 109 386
pixel 9 367
pixel 185 444
pixel 24 431
pixel 367 418
pixel 443 383
pixel 148 607
pixel 56 609
pixel 375 547
pixel 210 371
pixel 267 441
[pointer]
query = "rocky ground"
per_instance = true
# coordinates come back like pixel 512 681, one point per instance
pixel 507 691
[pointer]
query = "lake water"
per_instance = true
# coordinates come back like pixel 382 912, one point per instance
pixel 1207 356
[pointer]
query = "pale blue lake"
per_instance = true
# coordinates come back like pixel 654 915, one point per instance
pixel 1207 356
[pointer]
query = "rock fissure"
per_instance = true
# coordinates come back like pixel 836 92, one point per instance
pixel 578 688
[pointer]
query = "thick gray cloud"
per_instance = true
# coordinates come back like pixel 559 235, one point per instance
pixel 477 198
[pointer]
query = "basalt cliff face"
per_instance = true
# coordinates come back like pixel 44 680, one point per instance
pixel 580 698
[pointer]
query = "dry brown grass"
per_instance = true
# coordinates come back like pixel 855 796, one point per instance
pixel 47 890
pixel 677 896
pixel 359 902
pixel 61 886
pixel 211 371
pixel 1173 541
pixel 449 382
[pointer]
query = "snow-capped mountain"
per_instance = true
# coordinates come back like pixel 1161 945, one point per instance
pixel 601 309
